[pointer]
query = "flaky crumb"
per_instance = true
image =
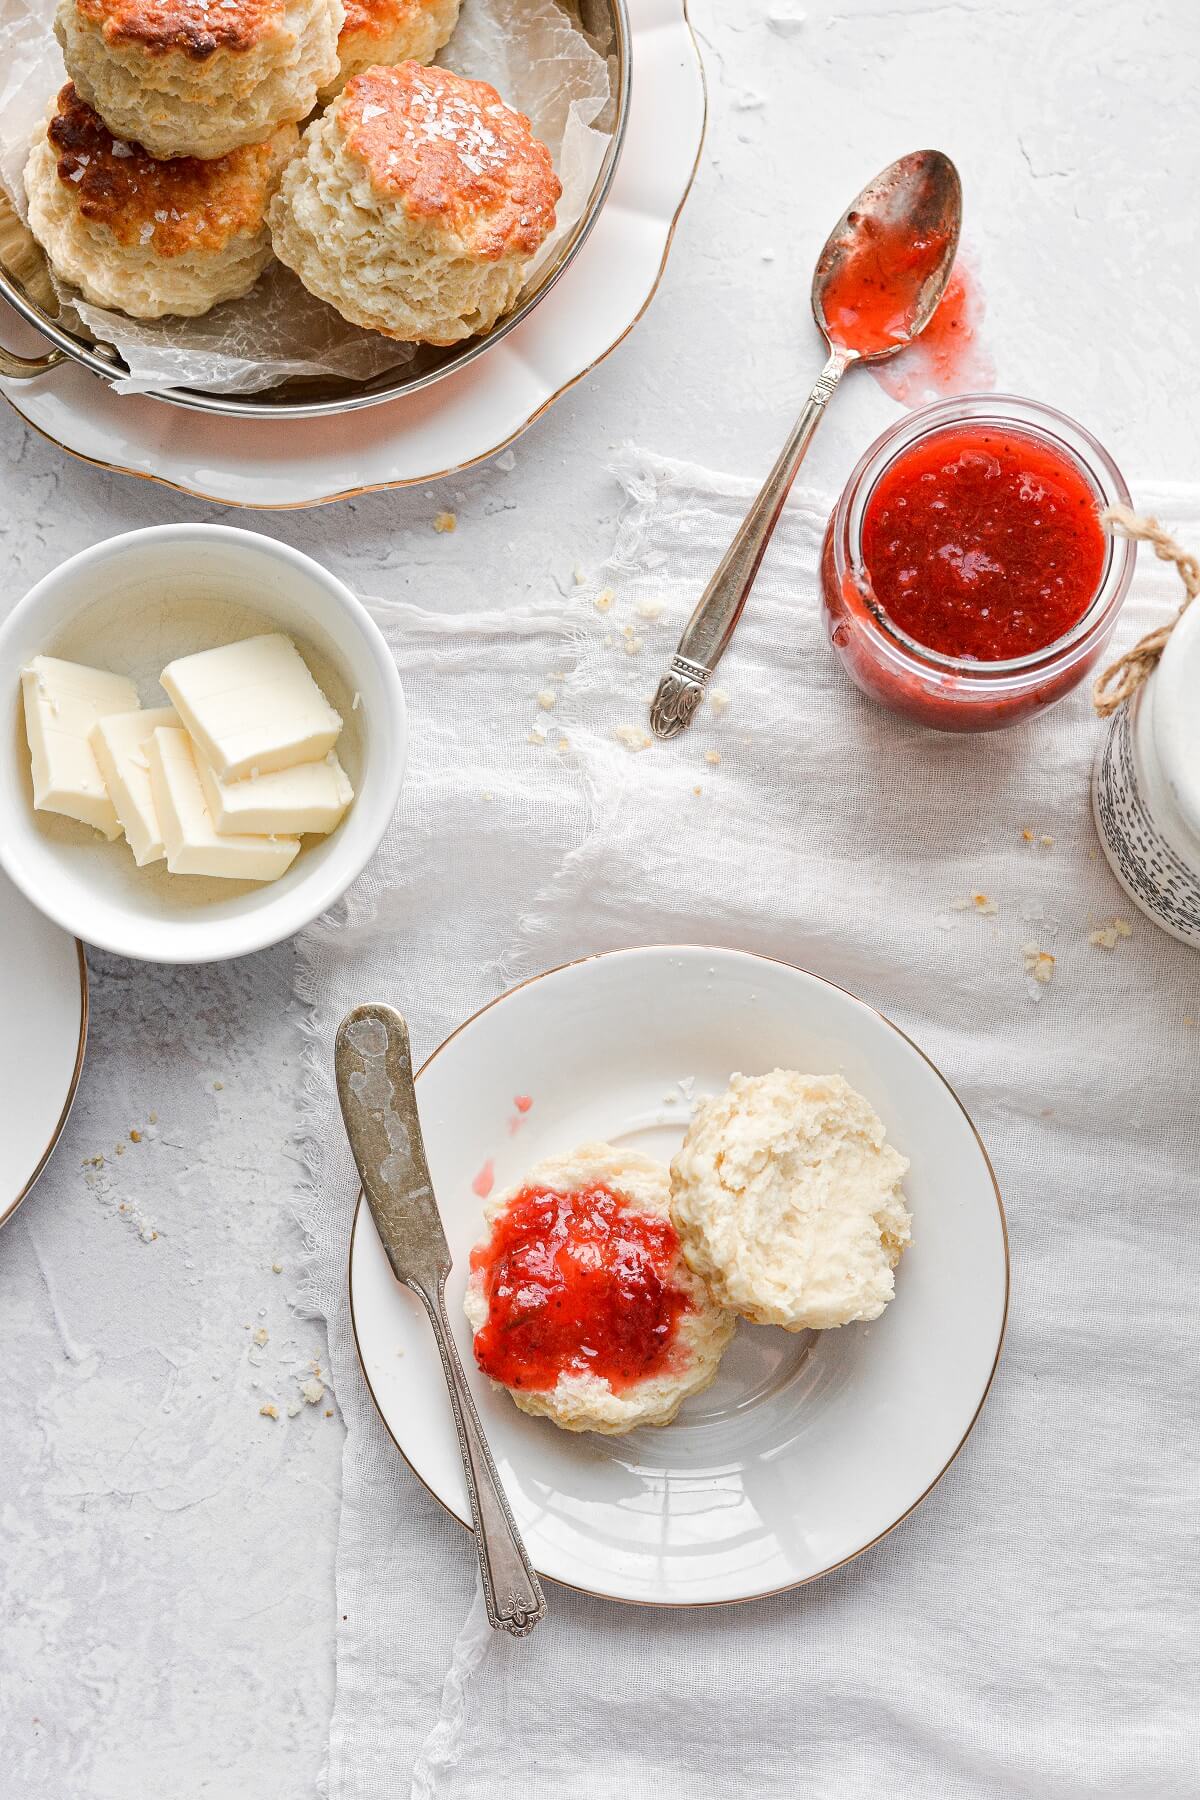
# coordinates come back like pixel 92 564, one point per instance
pixel 563 744
pixel 547 699
pixel 261 1335
pixel 537 735
pixel 445 521
pixel 697 790
pixel 312 1390
pixel 632 646
pixel 1107 937
pixel 1046 841
pixel 633 737
pixel 277 1268
pixel 217 1086
pixel 135 1136
pixel 718 699
pixel 604 599
pixel 649 609
pixel 269 1410
pixel 712 757
pixel 293 1407
pixel 1028 836
pixel 1038 963
pixel 976 902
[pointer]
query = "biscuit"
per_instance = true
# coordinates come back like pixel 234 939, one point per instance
pixel 383 32
pixel 631 1282
pixel 416 204
pixel 787 1198
pixel 149 237
pixel 199 77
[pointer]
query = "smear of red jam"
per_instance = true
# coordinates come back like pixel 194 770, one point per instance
pixel 948 357
pixel 577 1284
pixel 983 543
pixel 873 293
pixel 485 1181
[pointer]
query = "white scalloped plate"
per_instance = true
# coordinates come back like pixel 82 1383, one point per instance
pixel 463 418
pixel 807 1448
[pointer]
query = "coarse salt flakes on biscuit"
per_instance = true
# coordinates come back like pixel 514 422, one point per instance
pixel 199 77
pixel 383 32
pixel 147 237
pixel 416 204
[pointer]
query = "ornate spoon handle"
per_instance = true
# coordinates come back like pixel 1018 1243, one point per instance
pixel 511 1590
pixel 707 633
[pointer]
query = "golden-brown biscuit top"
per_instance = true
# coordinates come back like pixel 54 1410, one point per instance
pixel 450 150
pixel 171 208
pixel 380 18
pixel 195 27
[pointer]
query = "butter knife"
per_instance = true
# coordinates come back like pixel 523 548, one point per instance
pixel 373 1068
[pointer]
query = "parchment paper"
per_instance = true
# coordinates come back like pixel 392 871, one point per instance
pixel 528 49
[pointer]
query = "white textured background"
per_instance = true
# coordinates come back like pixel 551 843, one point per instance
pixel 166 1619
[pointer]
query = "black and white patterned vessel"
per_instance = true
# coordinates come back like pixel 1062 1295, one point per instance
pixel 1150 846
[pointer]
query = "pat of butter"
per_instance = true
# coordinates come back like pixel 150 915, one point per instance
pixel 63 700
pixel 311 797
pixel 252 707
pixel 193 846
pixel 119 744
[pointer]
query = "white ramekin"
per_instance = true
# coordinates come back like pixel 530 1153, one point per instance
pixel 130 603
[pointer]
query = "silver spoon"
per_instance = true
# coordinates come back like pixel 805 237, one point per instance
pixel 373 1069
pixel 902 232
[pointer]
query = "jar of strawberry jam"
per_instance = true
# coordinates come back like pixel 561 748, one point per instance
pixel 966 578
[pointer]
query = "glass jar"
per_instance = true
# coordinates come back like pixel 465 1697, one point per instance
pixel 946 692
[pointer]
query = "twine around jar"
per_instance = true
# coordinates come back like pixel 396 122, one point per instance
pixel 1125 676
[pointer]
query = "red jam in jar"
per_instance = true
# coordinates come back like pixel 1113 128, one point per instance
pixel 983 543
pixel 577 1284
pixel 967 580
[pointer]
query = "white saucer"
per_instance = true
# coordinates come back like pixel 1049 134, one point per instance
pixel 462 419
pixel 807 1449
pixel 43 1030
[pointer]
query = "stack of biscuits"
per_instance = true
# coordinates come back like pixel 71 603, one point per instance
pixel 172 168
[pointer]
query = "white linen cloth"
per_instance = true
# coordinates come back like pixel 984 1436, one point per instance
pixel 1031 1630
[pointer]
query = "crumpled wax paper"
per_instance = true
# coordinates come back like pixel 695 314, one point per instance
pixel 528 49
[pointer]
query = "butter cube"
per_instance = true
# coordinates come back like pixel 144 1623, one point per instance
pixel 119 744
pixel 193 846
pixel 252 706
pixel 311 797
pixel 63 700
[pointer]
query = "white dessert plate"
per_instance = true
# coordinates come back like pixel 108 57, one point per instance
pixel 43 1031
pixel 465 417
pixel 808 1448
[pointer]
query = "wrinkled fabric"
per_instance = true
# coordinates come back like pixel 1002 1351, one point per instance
pixel 1032 1629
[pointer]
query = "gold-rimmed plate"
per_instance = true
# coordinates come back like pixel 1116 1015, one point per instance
pixel 472 412
pixel 808 1448
pixel 43 1031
